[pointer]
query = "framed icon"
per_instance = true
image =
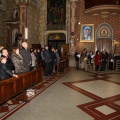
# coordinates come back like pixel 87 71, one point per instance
pixel 87 33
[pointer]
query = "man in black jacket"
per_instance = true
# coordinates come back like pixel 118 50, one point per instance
pixel 77 57
pixel 26 56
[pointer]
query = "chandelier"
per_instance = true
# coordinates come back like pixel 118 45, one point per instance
pixel 22 1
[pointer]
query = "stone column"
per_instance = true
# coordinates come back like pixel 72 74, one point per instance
pixel 73 24
pixel 22 16
pixel 23 21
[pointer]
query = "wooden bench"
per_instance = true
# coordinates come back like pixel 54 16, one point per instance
pixel 12 87
pixel 62 66
pixel 88 66
pixel 40 63
pixel 118 65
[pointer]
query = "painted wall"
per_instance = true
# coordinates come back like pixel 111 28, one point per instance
pixel 113 21
pixel 5 15
pixel 33 23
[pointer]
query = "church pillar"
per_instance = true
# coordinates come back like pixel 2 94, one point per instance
pixel 22 16
pixel 73 24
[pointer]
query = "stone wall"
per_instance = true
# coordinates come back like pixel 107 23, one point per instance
pixel 33 11
pixel 2 28
pixel 5 15
pixel 42 21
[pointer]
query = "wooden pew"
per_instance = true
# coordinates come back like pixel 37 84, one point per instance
pixel 118 65
pixel 40 63
pixel 62 66
pixel 12 87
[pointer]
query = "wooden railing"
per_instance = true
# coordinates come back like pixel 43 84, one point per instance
pixel 62 66
pixel 40 63
pixel 93 3
pixel 118 65
pixel 12 87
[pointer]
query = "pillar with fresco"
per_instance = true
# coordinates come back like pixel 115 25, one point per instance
pixel 23 13
pixel 73 24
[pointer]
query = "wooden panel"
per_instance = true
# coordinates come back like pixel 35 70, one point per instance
pixel 19 85
pixel 36 46
pixel 8 92
pixel 64 51
pixel 1 97
pixel 103 43
pixel 14 86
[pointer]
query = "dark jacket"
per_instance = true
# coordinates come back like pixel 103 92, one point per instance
pixel 53 56
pixel 104 59
pixel 26 57
pixel 9 64
pixel 47 56
pixel 75 55
pixel 4 72
pixel 39 56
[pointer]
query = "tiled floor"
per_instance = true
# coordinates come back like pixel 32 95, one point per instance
pixel 78 95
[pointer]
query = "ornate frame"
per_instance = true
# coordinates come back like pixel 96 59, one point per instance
pixel 90 37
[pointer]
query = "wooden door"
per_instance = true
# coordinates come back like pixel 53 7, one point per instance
pixel 64 51
pixel 104 43
pixel 36 46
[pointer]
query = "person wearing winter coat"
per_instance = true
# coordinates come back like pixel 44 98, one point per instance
pixel 4 71
pixel 18 61
pixel 26 56
pixel 9 63
pixel 77 57
pixel 98 59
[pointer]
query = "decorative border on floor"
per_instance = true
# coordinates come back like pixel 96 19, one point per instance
pixel 7 110
pixel 91 107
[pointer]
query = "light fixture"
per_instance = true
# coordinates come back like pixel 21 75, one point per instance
pixel 26 33
pixel 78 23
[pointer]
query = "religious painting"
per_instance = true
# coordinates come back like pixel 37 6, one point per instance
pixel 56 14
pixel 87 33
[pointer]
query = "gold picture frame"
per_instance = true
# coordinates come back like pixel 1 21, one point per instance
pixel 87 33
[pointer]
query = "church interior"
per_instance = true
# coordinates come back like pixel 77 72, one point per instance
pixel 79 89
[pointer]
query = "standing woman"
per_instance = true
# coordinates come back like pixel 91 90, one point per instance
pixel 33 62
pixel 98 60
pixel 18 61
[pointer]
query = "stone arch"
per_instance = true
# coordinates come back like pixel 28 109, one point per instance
pixel 104 37
pixel 55 32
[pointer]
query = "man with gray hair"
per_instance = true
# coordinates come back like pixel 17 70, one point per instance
pixel 26 56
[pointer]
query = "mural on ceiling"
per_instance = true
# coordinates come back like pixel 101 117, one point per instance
pixel 56 14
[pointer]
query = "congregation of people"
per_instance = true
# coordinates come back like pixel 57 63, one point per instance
pixel 99 61
pixel 24 60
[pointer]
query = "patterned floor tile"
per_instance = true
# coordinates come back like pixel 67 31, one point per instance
pixel 7 110
pixel 105 110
